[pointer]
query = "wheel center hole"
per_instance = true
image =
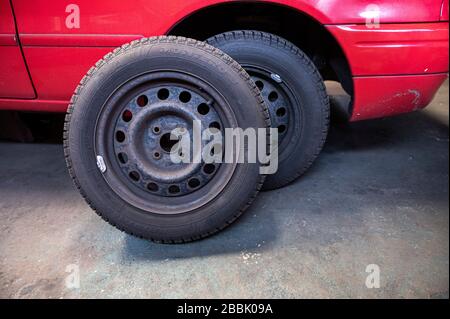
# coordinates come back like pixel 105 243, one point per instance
pixel 168 141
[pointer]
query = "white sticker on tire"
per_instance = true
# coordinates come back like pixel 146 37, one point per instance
pixel 276 78
pixel 101 164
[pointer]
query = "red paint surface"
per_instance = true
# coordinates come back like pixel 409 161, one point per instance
pixel 76 40
pixel 391 95
pixel 395 48
pixel 151 17
pixel 37 105
pixel 444 10
pixel 14 79
pixel 56 71
pixel 410 40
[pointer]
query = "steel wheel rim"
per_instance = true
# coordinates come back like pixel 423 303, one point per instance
pixel 280 101
pixel 139 191
pixel 145 152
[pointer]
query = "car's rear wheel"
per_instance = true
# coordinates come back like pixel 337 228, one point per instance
pixel 118 146
pixel 294 93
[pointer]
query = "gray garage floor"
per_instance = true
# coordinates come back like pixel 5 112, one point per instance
pixel 377 195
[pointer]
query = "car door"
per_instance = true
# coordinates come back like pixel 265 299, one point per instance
pixel 15 81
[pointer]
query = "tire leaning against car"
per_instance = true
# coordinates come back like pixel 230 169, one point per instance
pixel 294 92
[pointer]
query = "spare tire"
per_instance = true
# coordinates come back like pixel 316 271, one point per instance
pixel 115 138
pixel 294 93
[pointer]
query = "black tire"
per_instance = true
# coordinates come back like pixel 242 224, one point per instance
pixel 264 56
pixel 87 134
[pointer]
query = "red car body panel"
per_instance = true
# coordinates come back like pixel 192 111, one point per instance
pixel 14 79
pixel 391 95
pixel 156 17
pixel 444 10
pixel 413 48
pixel 407 53
pixel 396 68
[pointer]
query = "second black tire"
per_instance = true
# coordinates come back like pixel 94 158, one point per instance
pixel 294 92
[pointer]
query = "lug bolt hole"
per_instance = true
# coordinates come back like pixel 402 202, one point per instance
pixel 156 130
pixel 281 128
pixel 157 155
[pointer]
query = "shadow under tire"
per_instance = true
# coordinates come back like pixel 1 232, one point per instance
pixel 114 138
pixel 294 92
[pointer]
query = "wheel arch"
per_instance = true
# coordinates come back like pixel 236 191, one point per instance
pixel 277 18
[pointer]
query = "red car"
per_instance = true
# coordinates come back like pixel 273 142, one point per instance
pixel 130 72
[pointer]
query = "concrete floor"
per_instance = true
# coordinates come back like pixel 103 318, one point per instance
pixel 377 195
